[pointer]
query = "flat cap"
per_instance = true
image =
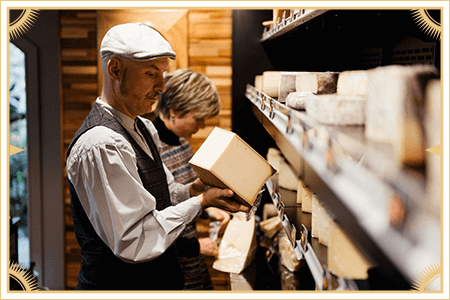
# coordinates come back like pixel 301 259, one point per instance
pixel 136 41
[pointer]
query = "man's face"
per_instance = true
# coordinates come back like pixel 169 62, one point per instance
pixel 141 84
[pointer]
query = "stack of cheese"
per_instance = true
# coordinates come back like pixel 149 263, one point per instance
pixel 346 106
pixel 224 160
pixel 395 109
pixel 238 246
pixel 297 86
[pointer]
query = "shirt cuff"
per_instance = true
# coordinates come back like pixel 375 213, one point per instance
pixel 193 209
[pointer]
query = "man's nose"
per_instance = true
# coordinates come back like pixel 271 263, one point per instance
pixel 160 86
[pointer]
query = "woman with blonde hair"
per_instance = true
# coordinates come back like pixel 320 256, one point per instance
pixel 190 98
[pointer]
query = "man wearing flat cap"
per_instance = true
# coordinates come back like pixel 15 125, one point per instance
pixel 127 209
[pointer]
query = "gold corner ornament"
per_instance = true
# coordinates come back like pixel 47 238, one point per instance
pixel 14 150
pixel 23 277
pixel 428 277
pixel 21 24
pixel 429 25
pixel 435 150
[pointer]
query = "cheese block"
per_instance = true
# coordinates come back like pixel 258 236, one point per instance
pixel 269 211
pixel 395 107
pixel 353 83
pixel 337 109
pixel 315 218
pixel 259 82
pixel 343 258
pixel 274 157
pixel 287 255
pixel 287 85
pixel 300 185
pixel 271 226
pixel 297 100
pixel 271 83
pixel 317 82
pixel 306 199
pixel 433 138
pixel 224 160
pixel 286 177
pixel 238 246
pixel 324 226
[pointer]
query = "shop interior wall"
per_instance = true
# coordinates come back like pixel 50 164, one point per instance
pixel 203 41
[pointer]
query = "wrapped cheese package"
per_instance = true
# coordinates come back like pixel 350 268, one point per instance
pixel 224 160
pixel 238 246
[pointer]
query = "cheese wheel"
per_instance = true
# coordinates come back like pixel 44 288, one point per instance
pixel 336 109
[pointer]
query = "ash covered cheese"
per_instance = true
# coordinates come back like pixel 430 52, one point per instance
pixel 238 246
pixel 337 109
pixel 287 84
pixel 224 160
pixel 317 82
pixel 394 109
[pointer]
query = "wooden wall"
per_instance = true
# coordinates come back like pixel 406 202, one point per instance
pixel 209 52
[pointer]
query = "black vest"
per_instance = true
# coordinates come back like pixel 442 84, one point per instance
pixel 100 268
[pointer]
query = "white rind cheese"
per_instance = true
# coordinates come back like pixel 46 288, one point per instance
pixel 336 109
pixel 297 100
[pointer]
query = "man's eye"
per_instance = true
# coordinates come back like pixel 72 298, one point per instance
pixel 150 74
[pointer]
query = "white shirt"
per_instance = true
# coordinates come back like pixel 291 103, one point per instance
pixel 102 168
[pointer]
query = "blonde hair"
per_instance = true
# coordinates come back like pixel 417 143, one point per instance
pixel 188 91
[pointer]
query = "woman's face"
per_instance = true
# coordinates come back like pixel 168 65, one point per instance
pixel 187 125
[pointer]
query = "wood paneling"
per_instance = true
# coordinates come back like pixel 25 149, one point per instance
pixel 202 41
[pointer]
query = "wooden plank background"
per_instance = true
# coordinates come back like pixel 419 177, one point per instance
pixel 209 52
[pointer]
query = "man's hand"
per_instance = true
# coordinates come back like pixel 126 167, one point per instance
pixel 221 198
pixel 208 247
pixel 196 188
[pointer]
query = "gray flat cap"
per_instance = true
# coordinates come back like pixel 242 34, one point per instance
pixel 136 41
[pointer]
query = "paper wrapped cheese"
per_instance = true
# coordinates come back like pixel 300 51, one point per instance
pixel 395 109
pixel 224 160
pixel 337 109
pixel 343 257
pixel 238 246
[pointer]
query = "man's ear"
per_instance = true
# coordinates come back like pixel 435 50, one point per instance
pixel 115 67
